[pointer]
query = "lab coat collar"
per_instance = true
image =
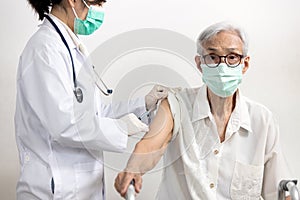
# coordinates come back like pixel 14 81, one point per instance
pixel 72 40
pixel 239 118
pixel 78 43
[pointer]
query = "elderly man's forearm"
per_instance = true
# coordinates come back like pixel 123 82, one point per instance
pixel 142 163
pixel 150 149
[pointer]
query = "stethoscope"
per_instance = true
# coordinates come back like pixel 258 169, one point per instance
pixel 77 90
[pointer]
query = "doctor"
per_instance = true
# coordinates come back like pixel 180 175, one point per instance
pixel 61 126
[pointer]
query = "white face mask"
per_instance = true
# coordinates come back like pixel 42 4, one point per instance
pixel 222 80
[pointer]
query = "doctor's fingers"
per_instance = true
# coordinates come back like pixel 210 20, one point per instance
pixel 158 92
pixel 163 90
pixel 152 99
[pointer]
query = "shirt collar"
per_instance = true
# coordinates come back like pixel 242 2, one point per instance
pixel 201 108
pixel 240 115
pixel 242 111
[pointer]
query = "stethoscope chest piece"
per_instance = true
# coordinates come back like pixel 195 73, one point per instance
pixel 78 94
pixel 77 91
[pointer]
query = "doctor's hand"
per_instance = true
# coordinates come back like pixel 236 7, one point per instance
pixel 123 180
pixel 157 93
pixel 134 125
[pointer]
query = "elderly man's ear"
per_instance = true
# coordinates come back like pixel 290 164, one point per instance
pixel 246 64
pixel 198 62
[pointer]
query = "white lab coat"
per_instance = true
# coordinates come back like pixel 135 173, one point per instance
pixel 56 136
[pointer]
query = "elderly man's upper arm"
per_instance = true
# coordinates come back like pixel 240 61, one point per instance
pixel 149 150
pixel 160 130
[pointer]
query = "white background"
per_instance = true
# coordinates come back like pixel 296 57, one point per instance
pixel 273 77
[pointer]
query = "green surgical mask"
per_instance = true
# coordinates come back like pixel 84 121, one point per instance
pixel 222 80
pixel 93 21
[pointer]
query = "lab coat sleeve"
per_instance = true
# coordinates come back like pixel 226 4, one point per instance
pixel 276 167
pixel 118 109
pixel 47 87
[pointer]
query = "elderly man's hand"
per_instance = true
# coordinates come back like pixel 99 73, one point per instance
pixel 123 180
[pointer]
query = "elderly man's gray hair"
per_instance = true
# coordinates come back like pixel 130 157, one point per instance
pixel 217 28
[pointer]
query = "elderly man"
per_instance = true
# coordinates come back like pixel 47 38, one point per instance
pixel 217 144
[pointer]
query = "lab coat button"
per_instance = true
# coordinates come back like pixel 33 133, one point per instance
pixel 216 151
pixel 27 158
pixel 211 185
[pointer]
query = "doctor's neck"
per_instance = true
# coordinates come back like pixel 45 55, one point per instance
pixel 65 14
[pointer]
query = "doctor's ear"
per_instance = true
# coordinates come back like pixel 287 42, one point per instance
pixel 72 3
pixel 198 62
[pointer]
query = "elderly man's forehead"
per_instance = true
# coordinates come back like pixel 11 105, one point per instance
pixel 224 39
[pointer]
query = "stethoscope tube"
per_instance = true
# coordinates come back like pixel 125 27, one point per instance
pixel 77 91
pixel 108 91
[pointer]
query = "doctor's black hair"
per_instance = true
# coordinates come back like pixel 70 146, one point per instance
pixel 42 7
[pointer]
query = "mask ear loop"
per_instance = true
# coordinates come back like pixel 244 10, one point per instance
pixel 86 4
pixel 74 12
pixel 73 9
